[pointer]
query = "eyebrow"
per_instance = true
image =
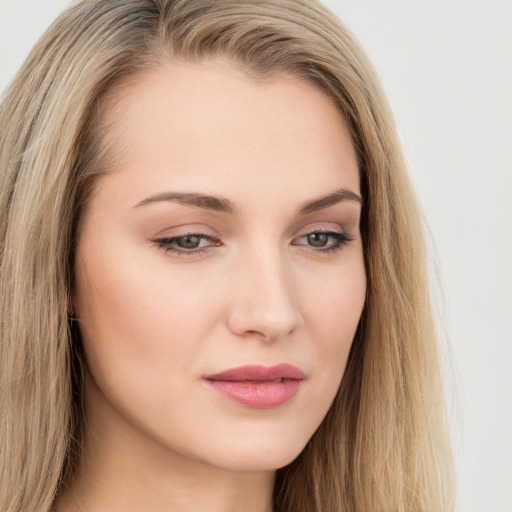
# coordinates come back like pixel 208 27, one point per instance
pixel 221 204
pixel 218 204
pixel 329 200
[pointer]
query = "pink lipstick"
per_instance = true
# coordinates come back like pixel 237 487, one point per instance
pixel 257 386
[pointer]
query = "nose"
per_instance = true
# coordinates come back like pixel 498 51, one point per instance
pixel 263 302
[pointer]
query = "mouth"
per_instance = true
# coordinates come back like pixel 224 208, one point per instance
pixel 257 386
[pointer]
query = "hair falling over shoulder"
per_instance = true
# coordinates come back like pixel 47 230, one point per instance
pixel 383 446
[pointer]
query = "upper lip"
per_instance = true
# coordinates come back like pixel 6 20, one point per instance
pixel 257 373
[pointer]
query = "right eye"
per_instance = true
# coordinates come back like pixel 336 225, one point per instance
pixel 187 244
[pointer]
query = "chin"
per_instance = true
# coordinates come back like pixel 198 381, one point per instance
pixel 259 456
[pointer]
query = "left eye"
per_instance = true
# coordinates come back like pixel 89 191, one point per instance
pixel 317 239
pixel 324 241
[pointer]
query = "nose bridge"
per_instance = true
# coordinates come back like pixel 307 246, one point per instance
pixel 265 304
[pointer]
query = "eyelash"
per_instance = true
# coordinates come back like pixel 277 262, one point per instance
pixel 341 238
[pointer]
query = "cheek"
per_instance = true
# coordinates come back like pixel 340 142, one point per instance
pixel 131 313
pixel 333 304
pixel 135 327
pixel 332 311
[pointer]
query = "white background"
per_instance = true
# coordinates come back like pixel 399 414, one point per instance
pixel 446 66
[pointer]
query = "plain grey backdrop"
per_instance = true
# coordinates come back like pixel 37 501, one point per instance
pixel 446 66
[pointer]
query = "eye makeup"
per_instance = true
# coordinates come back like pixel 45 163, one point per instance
pixel 189 244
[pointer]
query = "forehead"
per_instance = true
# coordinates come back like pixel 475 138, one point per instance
pixel 211 127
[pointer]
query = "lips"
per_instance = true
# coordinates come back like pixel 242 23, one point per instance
pixel 258 386
pixel 258 373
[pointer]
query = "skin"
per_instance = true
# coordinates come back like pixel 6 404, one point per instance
pixel 154 322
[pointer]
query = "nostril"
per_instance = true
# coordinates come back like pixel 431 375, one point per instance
pixel 258 333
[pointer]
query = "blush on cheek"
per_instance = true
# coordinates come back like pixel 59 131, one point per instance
pixel 337 320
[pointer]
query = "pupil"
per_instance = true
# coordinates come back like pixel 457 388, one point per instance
pixel 188 242
pixel 318 239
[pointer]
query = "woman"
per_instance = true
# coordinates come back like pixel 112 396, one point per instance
pixel 214 293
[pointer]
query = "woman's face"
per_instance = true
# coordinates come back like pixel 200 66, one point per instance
pixel 226 236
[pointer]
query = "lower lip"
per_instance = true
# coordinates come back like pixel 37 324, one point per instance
pixel 259 395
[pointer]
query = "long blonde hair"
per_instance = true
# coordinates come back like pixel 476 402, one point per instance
pixel 383 445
